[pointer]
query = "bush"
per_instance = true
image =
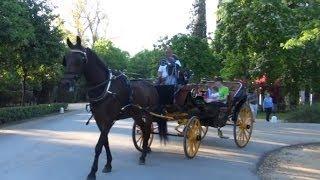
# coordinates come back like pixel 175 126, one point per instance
pixel 9 114
pixel 305 114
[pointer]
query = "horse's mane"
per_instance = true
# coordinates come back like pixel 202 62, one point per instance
pixel 97 59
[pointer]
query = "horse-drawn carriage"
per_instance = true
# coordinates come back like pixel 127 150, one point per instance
pixel 193 125
pixel 112 97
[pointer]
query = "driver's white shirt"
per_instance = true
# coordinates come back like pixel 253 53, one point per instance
pixel 163 69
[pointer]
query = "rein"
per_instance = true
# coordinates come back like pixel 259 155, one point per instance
pixel 106 91
pixel 107 84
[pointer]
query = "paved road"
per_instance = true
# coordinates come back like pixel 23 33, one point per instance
pixel 62 147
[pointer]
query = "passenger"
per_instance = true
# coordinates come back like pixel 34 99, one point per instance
pixel 219 97
pixel 217 100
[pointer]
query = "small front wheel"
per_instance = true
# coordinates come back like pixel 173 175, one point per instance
pixel 137 137
pixel 192 137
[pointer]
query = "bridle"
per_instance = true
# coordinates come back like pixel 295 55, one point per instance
pixel 85 59
pixel 107 82
pixel 84 53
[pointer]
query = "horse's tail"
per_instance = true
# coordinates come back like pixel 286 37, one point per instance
pixel 163 129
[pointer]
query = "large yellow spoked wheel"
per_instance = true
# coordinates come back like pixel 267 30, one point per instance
pixel 192 137
pixel 137 137
pixel 242 129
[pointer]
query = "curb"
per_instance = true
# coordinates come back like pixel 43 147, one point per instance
pixel 56 114
pixel 267 154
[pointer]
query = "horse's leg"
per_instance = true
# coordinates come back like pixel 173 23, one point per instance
pixel 98 149
pixel 138 119
pixel 146 137
pixel 107 168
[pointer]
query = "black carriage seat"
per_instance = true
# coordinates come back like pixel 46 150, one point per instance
pixel 236 92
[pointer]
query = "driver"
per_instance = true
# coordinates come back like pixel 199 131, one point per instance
pixel 168 70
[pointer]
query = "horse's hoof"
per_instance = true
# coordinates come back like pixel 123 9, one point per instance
pixel 142 161
pixel 149 150
pixel 106 169
pixel 91 177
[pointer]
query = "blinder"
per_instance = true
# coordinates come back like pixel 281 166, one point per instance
pixel 84 57
pixel 84 54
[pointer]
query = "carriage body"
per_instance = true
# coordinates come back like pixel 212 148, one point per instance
pixel 194 116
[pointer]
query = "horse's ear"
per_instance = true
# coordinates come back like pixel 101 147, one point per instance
pixel 69 43
pixel 78 41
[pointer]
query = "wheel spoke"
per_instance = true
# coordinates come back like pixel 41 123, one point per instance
pixel 139 138
pixel 241 135
pixel 141 142
pixel 245 136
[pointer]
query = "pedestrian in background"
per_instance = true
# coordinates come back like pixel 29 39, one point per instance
pixel 267 106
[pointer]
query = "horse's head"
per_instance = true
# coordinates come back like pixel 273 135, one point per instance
pixel 74 62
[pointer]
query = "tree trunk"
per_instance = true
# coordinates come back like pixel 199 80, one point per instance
pixel 24 84
pixel 307 95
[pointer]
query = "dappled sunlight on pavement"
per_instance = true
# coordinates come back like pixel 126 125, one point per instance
pixel 62 147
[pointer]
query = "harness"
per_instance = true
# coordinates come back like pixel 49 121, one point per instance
pixel 108 85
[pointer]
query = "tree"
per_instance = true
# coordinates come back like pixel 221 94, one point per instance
pixel 194 53
pixel 304 46
pixel 198 25
pixel 33 45
pixel 276 38
pixel 248 37
pixel 15 29
pixel 114 57
pixel 89 18
pixel 144 64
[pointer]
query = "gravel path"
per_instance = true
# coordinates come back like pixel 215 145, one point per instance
pixel 293 162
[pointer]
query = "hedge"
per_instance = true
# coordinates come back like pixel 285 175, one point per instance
pixel 305 114
pixel 9 114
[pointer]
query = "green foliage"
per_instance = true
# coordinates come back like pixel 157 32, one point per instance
pixel 277 38
pixel 303 46
pixel 248 37
pixel 305 114
pixel 144 64
pixel 10 114
pixel 114 57
pixel 196 55
pixel 15 28
pixel 31 45
pixel 198 25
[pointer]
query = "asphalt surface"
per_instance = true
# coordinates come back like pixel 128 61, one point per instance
pixel 62 147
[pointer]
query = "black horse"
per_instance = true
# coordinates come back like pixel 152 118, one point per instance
pixel 109 91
